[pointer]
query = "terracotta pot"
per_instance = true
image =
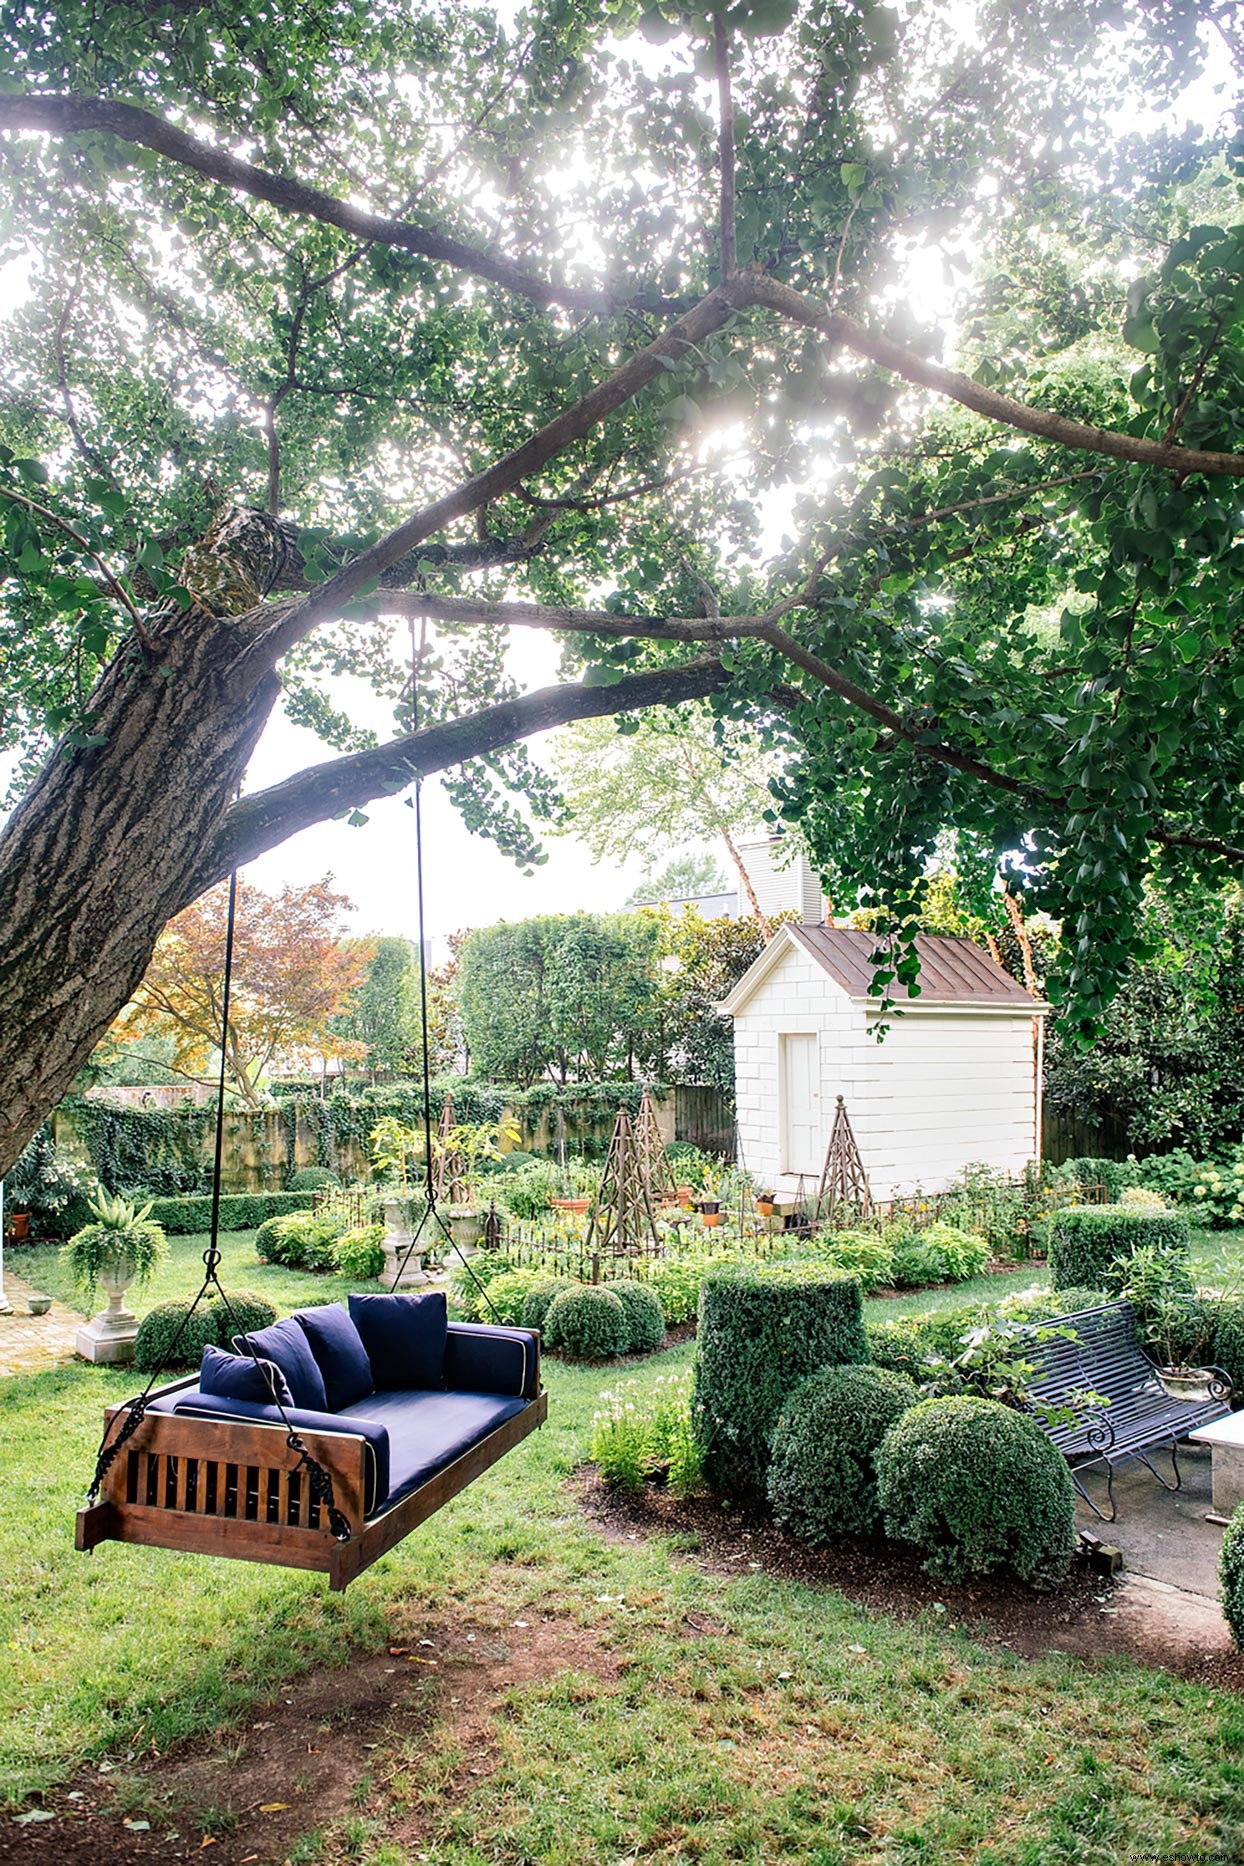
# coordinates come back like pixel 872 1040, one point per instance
pixel 571 1205
pixel 710 1211
pixel 765 1207
pixel 685 1196
pixel 19 1226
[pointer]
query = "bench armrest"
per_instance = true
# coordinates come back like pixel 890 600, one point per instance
pixel 1221 1385
pixel 374 1435
pixel 480 1358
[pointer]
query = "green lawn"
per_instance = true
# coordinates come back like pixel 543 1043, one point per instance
pixel 797 1727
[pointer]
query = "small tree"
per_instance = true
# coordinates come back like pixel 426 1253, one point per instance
pixel 384 1013
pixel 292 975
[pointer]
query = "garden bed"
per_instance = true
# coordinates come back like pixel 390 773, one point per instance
pixel 1080 1616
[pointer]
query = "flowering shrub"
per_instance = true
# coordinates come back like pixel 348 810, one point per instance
pixel 1218 1192
pixel 637 1436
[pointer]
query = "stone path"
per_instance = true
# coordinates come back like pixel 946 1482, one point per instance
pixel 29 1343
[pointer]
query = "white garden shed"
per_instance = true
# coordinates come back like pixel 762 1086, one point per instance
pixel 956 1079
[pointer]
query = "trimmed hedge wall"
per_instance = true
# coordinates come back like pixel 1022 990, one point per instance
pixel 761 1333
pixel 239 1211
pixel 1087 1240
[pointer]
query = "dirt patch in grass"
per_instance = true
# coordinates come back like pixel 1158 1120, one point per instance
pixel 1089 1615
pixel 248 1795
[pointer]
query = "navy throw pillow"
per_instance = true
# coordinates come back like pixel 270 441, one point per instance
pixel 238 1377
pixel 342 1358
pixel 404 1337
pixel 285 1343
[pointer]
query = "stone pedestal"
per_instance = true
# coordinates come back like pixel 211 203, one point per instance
pixel 108 1339
pixel 401 1271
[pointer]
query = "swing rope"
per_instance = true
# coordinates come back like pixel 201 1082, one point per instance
pixel 431 1209
pixel 319 1481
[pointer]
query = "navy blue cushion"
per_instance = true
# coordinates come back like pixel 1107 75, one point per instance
pixel 193 1402
pixel 339 1352
pixel 428 1430
pixel 481 1358
pixel 404 1337
pixel 287 1345
pixel 237 1376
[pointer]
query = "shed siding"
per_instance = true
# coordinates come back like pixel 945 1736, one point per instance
pixel 941 1091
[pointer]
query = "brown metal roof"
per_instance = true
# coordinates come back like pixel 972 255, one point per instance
pixel 953 970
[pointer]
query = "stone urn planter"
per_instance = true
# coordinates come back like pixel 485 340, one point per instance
pixel 465 1227
pixel 402 1266
pixel 121 1246
pixel 1188 1383
pixel 108 1338
pixel 39 1305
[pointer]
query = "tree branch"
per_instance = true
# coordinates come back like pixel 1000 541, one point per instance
pixel 757 289
pixel 262 821
pixel 72 115
pixel 272 640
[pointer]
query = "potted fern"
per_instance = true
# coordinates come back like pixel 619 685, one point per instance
pixel 121 1246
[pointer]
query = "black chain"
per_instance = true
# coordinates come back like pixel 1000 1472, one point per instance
pixel 319 1481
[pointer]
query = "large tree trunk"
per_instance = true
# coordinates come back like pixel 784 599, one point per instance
pixel 100 853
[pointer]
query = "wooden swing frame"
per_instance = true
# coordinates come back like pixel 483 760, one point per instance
pixel 220 1486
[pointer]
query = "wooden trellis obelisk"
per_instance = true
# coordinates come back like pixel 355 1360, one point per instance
pixel 622 1224
pixel 651 1149
pixel 844 1183
pixel 449 1169
pixel 561 1151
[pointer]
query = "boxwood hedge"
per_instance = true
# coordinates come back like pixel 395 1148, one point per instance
pixel 978 1488
pixel 823 1479
pixel 214 1323
pixel 239 1211
pixel 1087 1241
pixel 761 1333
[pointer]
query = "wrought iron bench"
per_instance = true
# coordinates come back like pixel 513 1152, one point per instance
pixel 1101 1355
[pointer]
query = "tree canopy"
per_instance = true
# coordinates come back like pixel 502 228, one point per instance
pixel 293 975
pixel 865 374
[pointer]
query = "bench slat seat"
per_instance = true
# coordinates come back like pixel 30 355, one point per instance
pixel 1102 1356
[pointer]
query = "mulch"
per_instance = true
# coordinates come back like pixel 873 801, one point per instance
pixel 1081 1616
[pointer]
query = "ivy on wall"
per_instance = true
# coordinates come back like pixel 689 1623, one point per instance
pixel 160 1149
pixel 163 1151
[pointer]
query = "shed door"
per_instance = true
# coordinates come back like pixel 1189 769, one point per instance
pixel 802 1143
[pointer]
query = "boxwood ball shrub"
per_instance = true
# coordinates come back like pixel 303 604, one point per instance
pixel 823 1479
pixel 507 1296
pixel 1231 1575
pixel 1087 1242
pixel 312 1179
pixel 540 1296
pixel 586 1324
pixel 979 1489
pixel 645 1318
pixel 761 1333
pixel 213 1323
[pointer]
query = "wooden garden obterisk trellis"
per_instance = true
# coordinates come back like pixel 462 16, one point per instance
pixel 844 1183
pixel 651 1149
pixel 622 1222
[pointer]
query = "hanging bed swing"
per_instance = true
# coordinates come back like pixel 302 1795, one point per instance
pixel 322 1441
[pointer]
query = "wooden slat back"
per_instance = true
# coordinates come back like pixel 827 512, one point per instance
pixel 205 1473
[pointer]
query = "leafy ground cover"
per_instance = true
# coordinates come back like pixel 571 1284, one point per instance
pixel 587 1696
